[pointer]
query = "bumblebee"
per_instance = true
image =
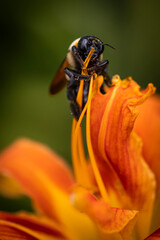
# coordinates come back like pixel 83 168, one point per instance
pixel 70 70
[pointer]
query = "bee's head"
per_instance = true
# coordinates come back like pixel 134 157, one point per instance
pixel 86 43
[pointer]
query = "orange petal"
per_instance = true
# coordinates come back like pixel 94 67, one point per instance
pixel 147 126
pixel 9 188
pixel 38 170
pixel 24 225
pixel 118 149
pixel 154 236
pixel 109 219
pixel 113 139
pixel 10 233
pixel 47 180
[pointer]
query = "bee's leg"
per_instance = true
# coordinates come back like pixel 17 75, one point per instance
pixel 85 92
pixel 74 106
pixel 77 55
pixel 99 66
pixel 101 69
pixel 107 82
pixel 72 90
pixel 107 79
pixel 75 77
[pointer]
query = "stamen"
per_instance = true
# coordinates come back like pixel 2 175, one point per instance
pixel 98 177
pixel 86 62
pixel 78 134
pixel 74 149
pixel 75 156
pixel 78 155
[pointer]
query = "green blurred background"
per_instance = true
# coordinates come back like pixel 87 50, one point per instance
pixel 34 38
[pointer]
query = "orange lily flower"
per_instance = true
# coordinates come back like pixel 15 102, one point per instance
pixel 113 192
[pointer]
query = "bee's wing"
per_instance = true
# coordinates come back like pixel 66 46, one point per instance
pixel 59 80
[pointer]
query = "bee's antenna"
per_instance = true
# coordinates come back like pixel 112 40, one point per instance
pixel 108 45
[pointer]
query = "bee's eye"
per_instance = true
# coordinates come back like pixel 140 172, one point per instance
pixel 83 44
